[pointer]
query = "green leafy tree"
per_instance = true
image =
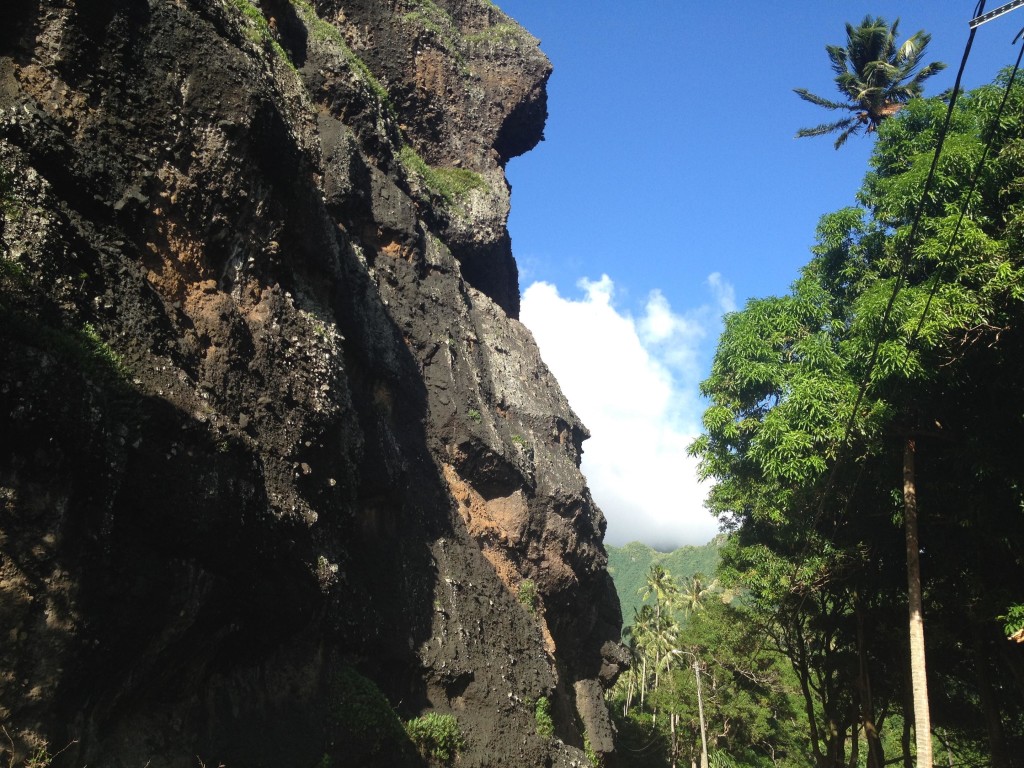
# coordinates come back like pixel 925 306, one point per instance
pixel 811 486
pixel 721 686
pixel 876 76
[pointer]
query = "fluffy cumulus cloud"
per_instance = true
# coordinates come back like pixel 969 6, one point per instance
pixel 633 381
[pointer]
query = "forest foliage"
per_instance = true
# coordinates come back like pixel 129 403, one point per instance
pixel 630 564
pixel 906 324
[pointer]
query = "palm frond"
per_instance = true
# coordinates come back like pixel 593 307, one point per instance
pixel 821 130
pixel 925 72
pixel 844 136
pixel 821 101
pixel 838 56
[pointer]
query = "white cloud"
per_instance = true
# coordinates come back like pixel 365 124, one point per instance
pixel 724 293
pixel 634 384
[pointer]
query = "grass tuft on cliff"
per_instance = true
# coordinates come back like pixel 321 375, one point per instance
pixel 258 29
pixel 508 35
pixel 322 30
pixel 436 736
pixel 451 184
pixel 438 21
pixel 542 714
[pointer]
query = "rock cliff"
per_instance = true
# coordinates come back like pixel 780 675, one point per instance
pixel 279 466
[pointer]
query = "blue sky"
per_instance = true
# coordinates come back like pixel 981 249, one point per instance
pixel 670 188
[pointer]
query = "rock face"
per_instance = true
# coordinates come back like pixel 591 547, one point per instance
pixel 277 460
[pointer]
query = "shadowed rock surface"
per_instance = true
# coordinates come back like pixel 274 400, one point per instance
pixel 277 459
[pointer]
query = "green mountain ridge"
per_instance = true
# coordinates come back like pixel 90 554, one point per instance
pixel 629 564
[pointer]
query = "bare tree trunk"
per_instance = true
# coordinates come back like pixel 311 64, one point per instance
pixel 919 682
pixel 643 681
pixel 998 752
pixel 673 719
pixel 908 759
pixel 700 711
pixel 876 757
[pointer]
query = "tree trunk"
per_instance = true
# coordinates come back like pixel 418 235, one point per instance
pixel 700 711
pixel 800 666
pixel 876 757
pixel 908 759
pixel 998 752
pixel 836 742
pixel 673 719
pixel 643 681
pixel 919 682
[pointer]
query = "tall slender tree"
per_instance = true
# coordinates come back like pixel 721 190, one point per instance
pixel 875 75
pixel 695 593
pixel 662 587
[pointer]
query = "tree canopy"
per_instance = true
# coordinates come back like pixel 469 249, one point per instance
pixel 812 396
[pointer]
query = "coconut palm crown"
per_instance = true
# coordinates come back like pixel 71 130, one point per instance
pixel 876 76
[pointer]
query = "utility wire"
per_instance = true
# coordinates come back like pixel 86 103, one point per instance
pixel 975 176
pixel 908 250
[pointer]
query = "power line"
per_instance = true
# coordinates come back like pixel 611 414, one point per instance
pixel 904 263
pixel 975 175
pixel 908 251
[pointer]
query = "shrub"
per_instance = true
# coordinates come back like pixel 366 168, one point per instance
pixel 364 718
pixel 592 756
pixel 542 713
pixel 436 736
pixel 528 594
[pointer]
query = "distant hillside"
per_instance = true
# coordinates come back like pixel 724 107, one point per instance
pixel 629 565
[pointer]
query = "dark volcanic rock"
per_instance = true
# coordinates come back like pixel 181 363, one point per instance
pixel 276 458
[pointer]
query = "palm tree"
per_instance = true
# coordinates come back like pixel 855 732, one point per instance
pixel 628 681
pixel 695 594
pixel 875 75
pixel 661 585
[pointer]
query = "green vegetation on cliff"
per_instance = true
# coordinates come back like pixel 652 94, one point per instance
pixel 450 184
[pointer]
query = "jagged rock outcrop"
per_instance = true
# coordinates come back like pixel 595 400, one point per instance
pixel 277 460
